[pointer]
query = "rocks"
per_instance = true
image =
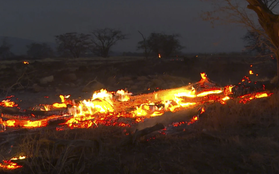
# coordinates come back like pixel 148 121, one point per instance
pixel 46 80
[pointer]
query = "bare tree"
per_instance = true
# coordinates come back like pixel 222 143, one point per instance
pixel 159 43
pixel 256 43
pixel 143 45
pixel 39 50
pixel 73 43
pixel 264 21
pixel 103 39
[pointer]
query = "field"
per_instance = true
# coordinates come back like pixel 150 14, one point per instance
pixel 231 138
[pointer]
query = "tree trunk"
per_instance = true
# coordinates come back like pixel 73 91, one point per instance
pixel 145 46
pixel 270 23
pixel 277 58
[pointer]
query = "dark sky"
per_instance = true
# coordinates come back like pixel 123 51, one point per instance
pixel 41 20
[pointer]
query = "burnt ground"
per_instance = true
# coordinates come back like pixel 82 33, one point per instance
pixel 81 77
pixel 227 139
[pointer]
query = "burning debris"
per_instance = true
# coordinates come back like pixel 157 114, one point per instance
pixel 122 109
pixel 107 107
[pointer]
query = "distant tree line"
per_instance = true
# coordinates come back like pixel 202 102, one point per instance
pixel 99 43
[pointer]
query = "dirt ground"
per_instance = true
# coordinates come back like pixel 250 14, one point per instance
pixel 227 139
pixel 41 81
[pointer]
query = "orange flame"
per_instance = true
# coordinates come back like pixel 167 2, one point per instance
pixel 9 165
pixel 8 103
pixel 203 75
pixel 251 72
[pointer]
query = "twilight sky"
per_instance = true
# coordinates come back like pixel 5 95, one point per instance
pixel 41 20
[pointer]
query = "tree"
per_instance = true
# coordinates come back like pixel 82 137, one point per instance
pixel 163 44
pixel 236 11
pixel 5 50
pixel 257 43
pixel 103 39
pixel 74 44
pixel 39 50
pixel 143 45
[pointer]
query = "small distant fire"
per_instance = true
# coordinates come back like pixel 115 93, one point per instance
pixel 25 62
pixel 159 55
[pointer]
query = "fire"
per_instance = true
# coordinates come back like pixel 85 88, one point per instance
pixel 205 93
pixel 8 103
pixel 123 95
pixel 9 165
pixel 203 76
pixel 106 107
pixel 159 55
pixel 10 123
pixel 248 97
pixel 25 62
pixel 63 103
pixel 18 158
pixel 251 72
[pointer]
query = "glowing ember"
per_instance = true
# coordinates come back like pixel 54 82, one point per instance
pixel 159 55
pixel 203 76
pixel 8 103
pixel 9 165
pixel 63 103
pixel 25 62
pixel 18 158
pixel 248 97
pixel 251 72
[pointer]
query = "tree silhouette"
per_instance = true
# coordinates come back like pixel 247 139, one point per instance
pixel 73 43
pixel 103 39
pixel 257 43
pixel 5 49
pixel 163 44
pixel 239 12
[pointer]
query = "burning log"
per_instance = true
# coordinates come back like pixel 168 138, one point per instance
pixel 192 93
